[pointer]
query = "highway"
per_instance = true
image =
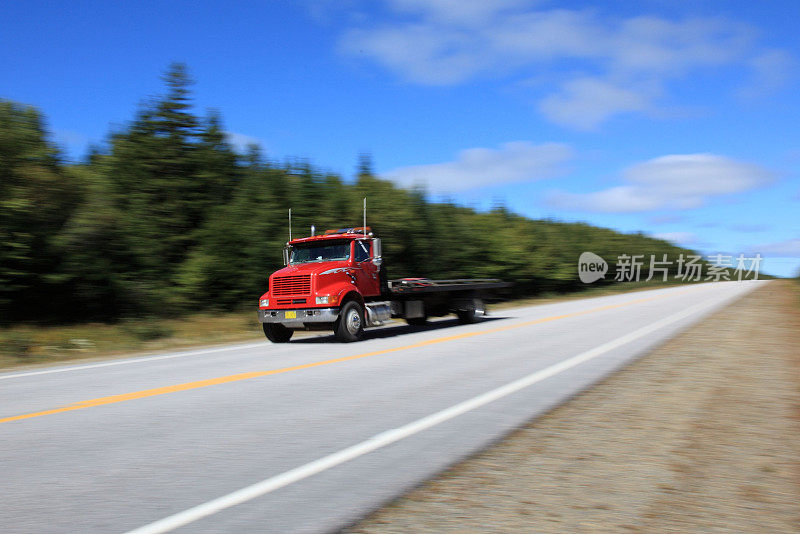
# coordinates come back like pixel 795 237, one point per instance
pixel 307 436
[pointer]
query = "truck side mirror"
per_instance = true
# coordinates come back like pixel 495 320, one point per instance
pixel 376 252
pixel 285 255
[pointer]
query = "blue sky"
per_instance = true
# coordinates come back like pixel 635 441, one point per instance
pixel 676 119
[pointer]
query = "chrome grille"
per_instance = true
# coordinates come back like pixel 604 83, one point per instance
pixel 291 285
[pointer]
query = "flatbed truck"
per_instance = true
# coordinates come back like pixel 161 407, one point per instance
pixel 337 281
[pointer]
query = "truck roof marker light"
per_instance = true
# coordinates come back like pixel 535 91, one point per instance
pixel 354 230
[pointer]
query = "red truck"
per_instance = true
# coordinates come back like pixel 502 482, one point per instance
pixel 337 282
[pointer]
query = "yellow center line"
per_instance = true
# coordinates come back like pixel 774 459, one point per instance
pixel 113 399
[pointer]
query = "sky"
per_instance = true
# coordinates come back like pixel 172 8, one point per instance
pixel 675 119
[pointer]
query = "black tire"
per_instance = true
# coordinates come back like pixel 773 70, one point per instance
pixel 466 316
pixel 417 321
pixel 277 333
pixel 350 324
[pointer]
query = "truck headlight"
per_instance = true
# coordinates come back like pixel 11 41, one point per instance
pixel 264 303
pixel 327 299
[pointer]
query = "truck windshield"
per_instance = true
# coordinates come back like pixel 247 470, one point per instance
pixel 328 251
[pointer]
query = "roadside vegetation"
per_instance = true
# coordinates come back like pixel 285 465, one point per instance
pixel 26 344
pixel 166 221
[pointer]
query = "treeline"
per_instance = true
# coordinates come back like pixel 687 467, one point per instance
pixel 170 219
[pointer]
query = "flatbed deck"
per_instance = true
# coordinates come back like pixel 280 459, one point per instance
pixel 405 286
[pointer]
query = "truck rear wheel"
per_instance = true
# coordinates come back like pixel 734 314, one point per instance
pixel 277 333
pixel 350 324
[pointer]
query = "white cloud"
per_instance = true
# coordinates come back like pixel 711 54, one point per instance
pixel 673 182
pixel 456 11
pixel 621 199
pixel 585 103
pixel 477 167
pixel 771 70
pixel 697 175
pixel 657 45
pixel 423 53
pixel 789 248
pixel 750 228
pixel 610 65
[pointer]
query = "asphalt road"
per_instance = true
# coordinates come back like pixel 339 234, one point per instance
pixel 307 436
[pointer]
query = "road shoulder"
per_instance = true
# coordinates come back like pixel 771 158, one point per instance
pixel 700 434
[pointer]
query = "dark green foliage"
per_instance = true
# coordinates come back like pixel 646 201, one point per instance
pixel 166 174
pixel 169 220
pixel 95 260
pixel 37 196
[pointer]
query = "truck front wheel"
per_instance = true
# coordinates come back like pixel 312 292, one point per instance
pixel 350 325
pixel 277 333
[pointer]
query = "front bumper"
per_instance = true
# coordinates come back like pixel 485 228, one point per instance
pixel 301 316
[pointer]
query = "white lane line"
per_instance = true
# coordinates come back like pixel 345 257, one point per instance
pixel 392 436
pixel 136 360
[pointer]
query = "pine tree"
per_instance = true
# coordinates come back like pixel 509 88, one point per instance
pixel 168 170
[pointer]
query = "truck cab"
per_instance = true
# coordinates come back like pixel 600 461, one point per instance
pixel 322 275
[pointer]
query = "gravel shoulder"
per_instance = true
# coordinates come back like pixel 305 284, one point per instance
pixel 702 434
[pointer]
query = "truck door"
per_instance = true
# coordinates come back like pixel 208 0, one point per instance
pixel 366 272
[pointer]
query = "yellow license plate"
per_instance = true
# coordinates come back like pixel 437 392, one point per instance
pixel 291 315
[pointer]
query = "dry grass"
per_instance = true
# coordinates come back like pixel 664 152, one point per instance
pixel 31 345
